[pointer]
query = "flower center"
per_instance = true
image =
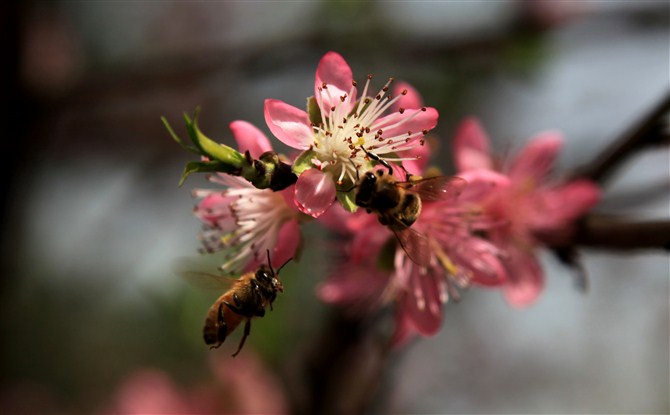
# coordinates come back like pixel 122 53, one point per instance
pixel 348 126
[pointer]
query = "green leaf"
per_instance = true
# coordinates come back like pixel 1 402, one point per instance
pixel 313 111
pixel 176 138
pixel 201 166
pixel 348 200
pixel 303 162
pixel 210 148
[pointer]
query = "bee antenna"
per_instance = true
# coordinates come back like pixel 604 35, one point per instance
pixel 287 261
pixel 379 160
pixel 270 263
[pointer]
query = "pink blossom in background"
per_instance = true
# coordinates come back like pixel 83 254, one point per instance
pixel 455 257
pixel 241 385
pixel 532 210
pixel 333 145
pixel 245 220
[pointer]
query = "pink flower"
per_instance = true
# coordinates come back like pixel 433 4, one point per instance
pixel 332 153
pixel 458 258
pixel 245 220
pixel 236 386
pixel 532 210
pixel 455 257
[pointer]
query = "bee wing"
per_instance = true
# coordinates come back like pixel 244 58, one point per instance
pixel 186 269
pixel 415 245
pixel 207 281
pixel 431 189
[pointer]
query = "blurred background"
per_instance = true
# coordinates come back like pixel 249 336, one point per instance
pixel 93 318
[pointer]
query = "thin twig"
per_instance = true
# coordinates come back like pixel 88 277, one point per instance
pixel 649 130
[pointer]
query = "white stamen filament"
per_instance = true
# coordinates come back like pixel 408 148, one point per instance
pixel 346 127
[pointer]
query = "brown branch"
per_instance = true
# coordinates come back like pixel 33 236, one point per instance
pixel 616 233
pixel 342 371
pixel 649 130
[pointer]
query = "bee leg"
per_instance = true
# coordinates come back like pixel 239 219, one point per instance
pixel 247 330
pixel 408 175
pixel 237 307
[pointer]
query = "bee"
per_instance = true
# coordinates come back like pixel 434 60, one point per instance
pixel 247 298
pixel 398 204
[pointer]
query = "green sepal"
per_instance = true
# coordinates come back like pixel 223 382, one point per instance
pixel 303 161
pixel 202 166
pixel 313 111
pixel 348 200
pixel 178 139
pixel 210 148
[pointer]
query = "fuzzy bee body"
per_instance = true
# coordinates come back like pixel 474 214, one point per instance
pixel 249 296
pixel 398 204
pixel 395 205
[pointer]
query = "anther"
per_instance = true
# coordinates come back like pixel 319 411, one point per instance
pixel 404 92
pixel 423 109
pixel 354 83
pixel 401 110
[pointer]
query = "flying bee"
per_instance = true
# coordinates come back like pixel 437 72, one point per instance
pixel 397 204
pixel 248 297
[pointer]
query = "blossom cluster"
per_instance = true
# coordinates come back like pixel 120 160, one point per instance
pixel 424 237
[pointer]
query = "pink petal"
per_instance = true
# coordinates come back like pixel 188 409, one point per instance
pixel 404 330
pixel 526 280
pixel 414 120
pixel 335 72
pixel 289 124
pixel 287 244
pixel 537 158
pixel 426 320
pixel 250 138
pixel 314 192
pixel 369 240
pixel 411 100
pixel 471 147
pixel 150 391
pixel 554 210
pixel 481 185
pixel 487 268
pixel 212 207
pixel 419 164
pixel 355 285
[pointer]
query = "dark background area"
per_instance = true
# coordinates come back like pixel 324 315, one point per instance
pixel 92 218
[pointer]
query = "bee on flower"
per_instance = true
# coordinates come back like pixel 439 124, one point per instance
pixel 378 270
pixel 337 130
